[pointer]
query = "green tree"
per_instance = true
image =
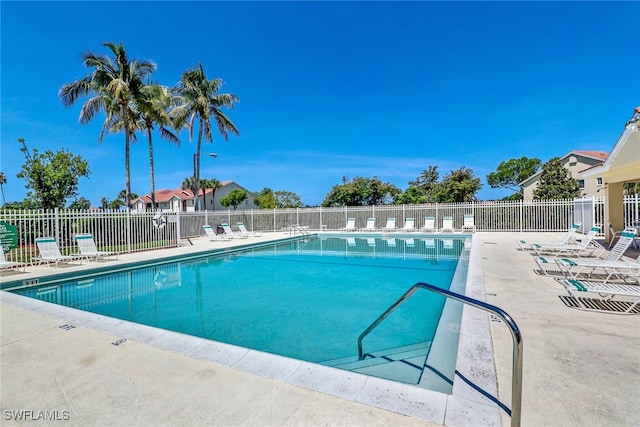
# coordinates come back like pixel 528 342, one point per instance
pixel 427 181
pixel 556 182
pixel 112 86
pixel 234 198
pixel 511 173
pixel 198 98
pixel 269 199
pixel 361 192
pixel 214 185
pixel 458 186
pixel 53 177
pixel 265 198
pixel 80 204
pixel 413 195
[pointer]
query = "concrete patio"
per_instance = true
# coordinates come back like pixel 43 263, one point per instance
pixel 580 368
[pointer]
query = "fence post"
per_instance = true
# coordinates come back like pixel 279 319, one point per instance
pixel 128 230
pixel 521 213
pixel 56 224
pixel 178 229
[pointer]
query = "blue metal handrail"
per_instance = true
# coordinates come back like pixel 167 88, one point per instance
pixel 516 380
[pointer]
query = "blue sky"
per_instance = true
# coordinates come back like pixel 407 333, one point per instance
pixel 331 89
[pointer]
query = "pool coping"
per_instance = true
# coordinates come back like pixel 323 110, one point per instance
pixel 464 406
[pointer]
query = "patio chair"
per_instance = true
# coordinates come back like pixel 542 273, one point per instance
pixel 585 245
pixel 391 242
pixel 447 224
pixel 212 236
pixel 88 249
pixel 469 223
pixel 525 245
pixel 429 224
pixel 614 234
pixel 9 265
pixel 371 225
pixel 606 292
pixel 243 230
pixel 351 225
pixel 50 252
pixel 391 225
pixel 232 234
pixel 409 225
pixel 612 265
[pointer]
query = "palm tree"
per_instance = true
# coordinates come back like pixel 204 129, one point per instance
pixel 189 184
pixel 3 181
pixel 149 109
pixel 214 184
pixel 112 86
pixel 198 98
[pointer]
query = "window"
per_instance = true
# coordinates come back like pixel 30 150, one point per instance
pixel 581 183
pixel 573 163
pixel 599 180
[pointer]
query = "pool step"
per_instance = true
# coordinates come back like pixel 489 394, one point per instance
pixel 404 364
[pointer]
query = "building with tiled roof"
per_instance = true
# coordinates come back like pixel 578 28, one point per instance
pixel 576 162
pixel 183 200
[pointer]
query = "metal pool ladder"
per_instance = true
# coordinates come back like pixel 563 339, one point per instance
pixel 516 378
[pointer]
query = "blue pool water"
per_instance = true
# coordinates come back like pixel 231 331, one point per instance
pixel 308 299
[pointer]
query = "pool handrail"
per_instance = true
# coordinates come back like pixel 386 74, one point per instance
pixel 516 379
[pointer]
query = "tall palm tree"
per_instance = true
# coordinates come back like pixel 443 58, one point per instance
pixel 198 98
pixel 150 109
pixel 112 86
pixel 3 181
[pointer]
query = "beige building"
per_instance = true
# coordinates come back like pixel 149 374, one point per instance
pixel 577 162
pixel 183 200
pixel 622 166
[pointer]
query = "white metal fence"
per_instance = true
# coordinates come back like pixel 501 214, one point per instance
pixel 125 232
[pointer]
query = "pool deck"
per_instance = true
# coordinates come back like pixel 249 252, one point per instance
pixel 580 368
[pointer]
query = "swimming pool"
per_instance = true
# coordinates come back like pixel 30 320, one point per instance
pixel 307 299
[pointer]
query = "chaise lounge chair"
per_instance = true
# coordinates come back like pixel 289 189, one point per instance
pixel 371 225
pixel 526 246
pixel 9 265
pixel 50 252
pixel 351 225
pixel 212 236
pixel 429 224
pixel 88 249
pixel 447 224
pixel 586 245
pixel 243 230
pixel 232 234
pixel 391 225
pixel 606 291
pixel 469 223
pixel 612 265
pixel 409 225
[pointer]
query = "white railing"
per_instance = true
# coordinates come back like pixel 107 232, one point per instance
pixel 124 232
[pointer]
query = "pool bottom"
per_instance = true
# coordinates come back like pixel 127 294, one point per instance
pixel 463 406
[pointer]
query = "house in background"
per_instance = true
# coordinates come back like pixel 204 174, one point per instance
pixel 622 166
pixel 183 200
pixel 577 162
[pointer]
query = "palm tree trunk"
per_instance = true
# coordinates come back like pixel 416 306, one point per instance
pixel 151 172
pixel 196 166
pixel 127 155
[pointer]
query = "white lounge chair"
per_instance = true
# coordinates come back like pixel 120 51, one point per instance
pixel 612 265
pixel 429 224
pixel 391 242
pixel 351 225
pixel 50 252
pixel 469 223
pixel 391 225
pixel 606 292
pixel 447 224
pixel 212 236
pixel 409 225
pixel 88 249
pixel 9 265
pixel 232 234
pixel 585 245
pixel 526 245
pixel 614 234
pixel 243 230
pixel 371 225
